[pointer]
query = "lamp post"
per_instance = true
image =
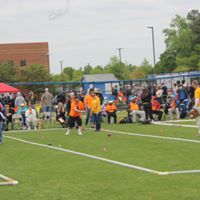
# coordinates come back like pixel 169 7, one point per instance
pixel 61 66
pixel 153 43
pixel 120 54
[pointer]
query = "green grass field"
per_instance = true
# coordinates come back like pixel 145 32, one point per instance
pixel 49 174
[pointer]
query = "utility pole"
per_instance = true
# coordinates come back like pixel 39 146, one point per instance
pixel 120 54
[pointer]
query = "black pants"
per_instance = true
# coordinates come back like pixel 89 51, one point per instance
pixel 112 115
pixel 73 120
pixel 97 121
pixel 159 113
pixel 61 119
pixel 148 111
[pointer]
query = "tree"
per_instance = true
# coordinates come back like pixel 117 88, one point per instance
pixel 77 75
pixel 194 22
pixel 35 73
pixel 98 70
pixel 60 78
pixel 69 71
pixel 143 70
pixel 115 67
pixel 87 69
pixel 167 62
pixel 7 72
pixel 182 40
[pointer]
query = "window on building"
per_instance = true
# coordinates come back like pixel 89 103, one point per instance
pixel 23 63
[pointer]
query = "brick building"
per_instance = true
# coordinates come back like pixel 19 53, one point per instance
pixel 22 55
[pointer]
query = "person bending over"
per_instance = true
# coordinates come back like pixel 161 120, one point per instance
pixel 76 109
pixel 60 114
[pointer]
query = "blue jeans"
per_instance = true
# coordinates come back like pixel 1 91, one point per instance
pixel 88 117
pixel 97 120
pixel 47 109
pixel 0 132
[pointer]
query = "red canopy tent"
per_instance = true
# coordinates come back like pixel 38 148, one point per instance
pixel 4 88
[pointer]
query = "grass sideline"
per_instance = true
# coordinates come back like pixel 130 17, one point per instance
pixel 48 174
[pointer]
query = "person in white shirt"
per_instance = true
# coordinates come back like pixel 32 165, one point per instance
pixel 31 116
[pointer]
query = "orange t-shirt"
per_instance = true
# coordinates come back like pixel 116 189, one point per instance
pixel 88 101
pixel 76 105
pixel 111 108
pixel 134 106
pixel 173 104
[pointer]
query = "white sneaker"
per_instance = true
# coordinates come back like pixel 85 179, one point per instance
pixel 79 132
pixel 68 131
pixel 29 128
pixel 35 128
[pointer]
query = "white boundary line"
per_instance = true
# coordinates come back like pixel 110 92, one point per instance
pixel 152 136
pixel 38 130
pixel 177 125
pixel 105 159
pixel 179 120
pixel 7 181
pixel 86 155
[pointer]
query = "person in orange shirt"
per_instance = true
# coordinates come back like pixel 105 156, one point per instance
pixel 135 110
pixel 76 109
pixel 111 111
pixel 156 108
pixel 88 105
pixel 173 108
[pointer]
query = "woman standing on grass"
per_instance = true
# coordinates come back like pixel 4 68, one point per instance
pixel 2 117
pixel 96 111
pixel 146 100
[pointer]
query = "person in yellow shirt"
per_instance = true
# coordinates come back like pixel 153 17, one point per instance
pixel 111 110
pixel 96 111
pixel 195 85
pixel 135 110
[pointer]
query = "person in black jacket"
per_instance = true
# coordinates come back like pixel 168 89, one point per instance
pixel 146 100
pixel 60 114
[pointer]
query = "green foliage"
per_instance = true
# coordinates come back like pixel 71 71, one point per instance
pixel 98 70
pixel 69 71
pixel 87 69
pixel 77 75
pixel 121 70
pixel 182 40
pixel 7 72
pixel 35 73
pixel 143 70
pixel 60 78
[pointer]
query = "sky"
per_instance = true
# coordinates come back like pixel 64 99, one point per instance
pixel 90 31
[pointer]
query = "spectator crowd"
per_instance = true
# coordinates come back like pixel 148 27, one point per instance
pixel 144 104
